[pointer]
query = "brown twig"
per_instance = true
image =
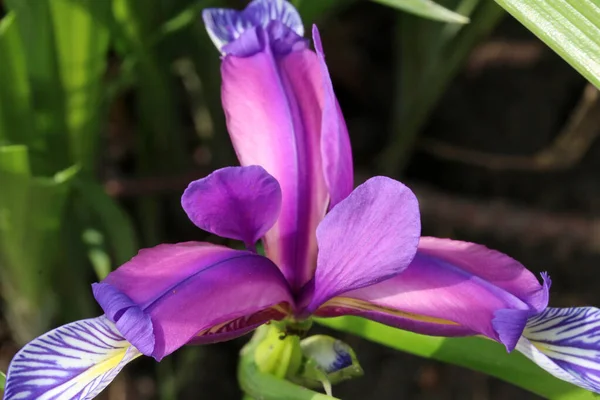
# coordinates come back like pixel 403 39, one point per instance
pixel 509 221
pixel 496 217
pixel 567 149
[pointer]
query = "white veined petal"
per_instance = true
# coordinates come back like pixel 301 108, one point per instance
pixel 566 343
pixel 75 361
pixel 226 25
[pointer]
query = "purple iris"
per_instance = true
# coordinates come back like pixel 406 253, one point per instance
pixel 329 250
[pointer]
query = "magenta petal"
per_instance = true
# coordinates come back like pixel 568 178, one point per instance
pixel 191 289
pixel 370 236
pixel 273 110
pixel 436 297
pixel 490 265
pixel 239 203
pixel 335 143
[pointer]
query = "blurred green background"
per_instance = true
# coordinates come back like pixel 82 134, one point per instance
pixel 108 108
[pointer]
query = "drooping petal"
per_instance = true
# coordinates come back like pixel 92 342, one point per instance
pixel 273 107
pixel 369 237
pixel 76 361
pixel 435 297
pixel 239 203
pixel 335 143
pixel 225 26
pixel 566 343
pixel 492 266
pixel 191 289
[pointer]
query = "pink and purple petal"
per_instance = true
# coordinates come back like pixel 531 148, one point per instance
pixel 492 266
pixel 76 361
pixel 225 26
pixel 566 343
pixel 369 237
pixel 335 142
pixel 435 297
pixel 273 110
pixel 188 289
pixel 239 203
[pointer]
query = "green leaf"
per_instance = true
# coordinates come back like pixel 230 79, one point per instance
pixel 34 20
pixel 31 210
pixel 571 28
pixel 429 56
pixel 111 219
pixel 16 125
pixel 475 353
pixel 2 380
pixel 427 9
pixel 81 43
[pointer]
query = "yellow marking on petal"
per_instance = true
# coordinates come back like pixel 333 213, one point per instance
pixel 361 305
pixel 112 361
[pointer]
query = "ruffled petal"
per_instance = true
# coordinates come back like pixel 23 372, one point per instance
pixel 191 289
pixel 435 297
pixel 225 25
pixel 239 203
pixel 369 237
pixel 566 343
pixel 76 361
pixel 273 108
pixel 335 142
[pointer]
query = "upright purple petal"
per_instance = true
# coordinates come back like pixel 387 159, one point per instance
pixel 274 112
pixel 76 361
pixel 566 343
pixel 225 26
pixel 369 237
pixel 192 289
pixel 335 143
pixel 492 266
pixel 443 294
pixel 239 203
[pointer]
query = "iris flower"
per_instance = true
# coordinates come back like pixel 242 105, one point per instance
pixel 329 250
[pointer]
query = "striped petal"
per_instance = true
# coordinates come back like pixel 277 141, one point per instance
pixel 76 361
pixel 566 343
pixel 225 26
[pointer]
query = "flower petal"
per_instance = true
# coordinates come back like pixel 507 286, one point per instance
pixel 335 143
pixel 190 289
pixel 370 236
pixel 239 203
pixel 435 297
pixel 225 25
pixel 566 343
pixel 76 361
pixel 492 266
pixel 273 107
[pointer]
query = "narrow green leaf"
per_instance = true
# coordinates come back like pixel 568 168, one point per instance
pixel 427 9
pixel 2 380
pixel 112 221
pixel 81 40
pixel 569 27
pixel 429 56
pixel 16 125
pixel 475 353
pixel 31 210
pixel 34 20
